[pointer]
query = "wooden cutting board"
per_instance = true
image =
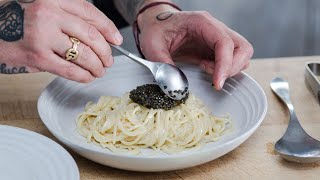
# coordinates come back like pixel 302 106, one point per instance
pixel 254 159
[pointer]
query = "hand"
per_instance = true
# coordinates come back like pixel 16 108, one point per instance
pixel 34 36
pixel 168 34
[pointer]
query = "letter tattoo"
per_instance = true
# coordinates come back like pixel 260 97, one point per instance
pixel 14 70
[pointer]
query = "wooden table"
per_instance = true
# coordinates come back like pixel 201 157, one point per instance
pixel 252 160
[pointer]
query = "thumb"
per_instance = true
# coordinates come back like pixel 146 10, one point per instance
pixel 157 50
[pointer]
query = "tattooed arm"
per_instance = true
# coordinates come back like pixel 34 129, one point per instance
pixel 35 36
pixel 194 36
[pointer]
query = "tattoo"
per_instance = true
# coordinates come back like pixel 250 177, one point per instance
pixel 128 8
pixel 11 21
pixel 14 70
pixel 164 16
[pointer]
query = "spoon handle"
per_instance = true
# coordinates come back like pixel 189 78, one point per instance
pixel 281 88
pixel 132 56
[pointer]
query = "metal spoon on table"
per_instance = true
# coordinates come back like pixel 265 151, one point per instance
pixel 295 145
pixel 172 81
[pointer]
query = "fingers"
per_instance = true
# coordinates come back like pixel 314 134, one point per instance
pixel 240 62
pixel 156 49
pixel 242 53
pixel 94 16
pixel 223 61
pixel 207 66
pixel 214 35
pixel 88 35
pixel 232 51
pixel 87 58
pixel 57 65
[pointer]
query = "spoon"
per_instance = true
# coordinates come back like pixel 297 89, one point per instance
pixel 295 145
pixel 172 81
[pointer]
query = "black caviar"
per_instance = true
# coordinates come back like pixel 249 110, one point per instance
pixel 151 96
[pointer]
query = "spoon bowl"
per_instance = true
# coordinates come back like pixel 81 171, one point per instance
pixel 295 152
pixel 295 145
pixel 172 81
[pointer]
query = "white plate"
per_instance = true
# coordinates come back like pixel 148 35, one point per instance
pixel 30 156
pixel 62 100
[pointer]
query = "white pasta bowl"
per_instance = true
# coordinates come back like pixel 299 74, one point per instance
pixel 241 98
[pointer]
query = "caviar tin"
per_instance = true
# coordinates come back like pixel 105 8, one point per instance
pixel 312 78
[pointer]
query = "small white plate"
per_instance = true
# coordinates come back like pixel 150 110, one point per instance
pixel 30 156
pixel 241 98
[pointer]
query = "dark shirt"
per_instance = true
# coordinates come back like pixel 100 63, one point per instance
pixel 109 9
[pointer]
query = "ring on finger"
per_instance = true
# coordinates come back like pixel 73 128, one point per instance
pixel 73 53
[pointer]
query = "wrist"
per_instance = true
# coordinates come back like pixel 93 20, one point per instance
pixel 148 14
pixel 147 2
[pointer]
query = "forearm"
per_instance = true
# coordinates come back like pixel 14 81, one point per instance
pixel 130 8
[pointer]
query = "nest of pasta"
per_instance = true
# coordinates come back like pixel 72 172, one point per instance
pixel 122 125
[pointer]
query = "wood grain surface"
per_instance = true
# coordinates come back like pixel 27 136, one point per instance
pixel 254 159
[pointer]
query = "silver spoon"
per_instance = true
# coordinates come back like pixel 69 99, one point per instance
pixel 172 81
pixel 295 145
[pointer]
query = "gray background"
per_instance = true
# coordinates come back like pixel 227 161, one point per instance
pixel 276 28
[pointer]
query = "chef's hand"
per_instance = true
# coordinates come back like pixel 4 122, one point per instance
pixel 168 34
pixel 34 36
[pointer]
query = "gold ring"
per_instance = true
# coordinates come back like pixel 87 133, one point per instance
pixel 73 53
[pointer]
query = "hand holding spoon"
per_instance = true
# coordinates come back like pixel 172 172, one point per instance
pixel 295 145
pixel 172 81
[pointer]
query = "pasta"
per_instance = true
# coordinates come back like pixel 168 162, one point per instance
pixel 119 124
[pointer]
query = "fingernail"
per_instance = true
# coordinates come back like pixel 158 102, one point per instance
pixel 222 80
pixel 118 38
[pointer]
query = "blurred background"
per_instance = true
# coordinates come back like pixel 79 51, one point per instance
pixel 275 28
